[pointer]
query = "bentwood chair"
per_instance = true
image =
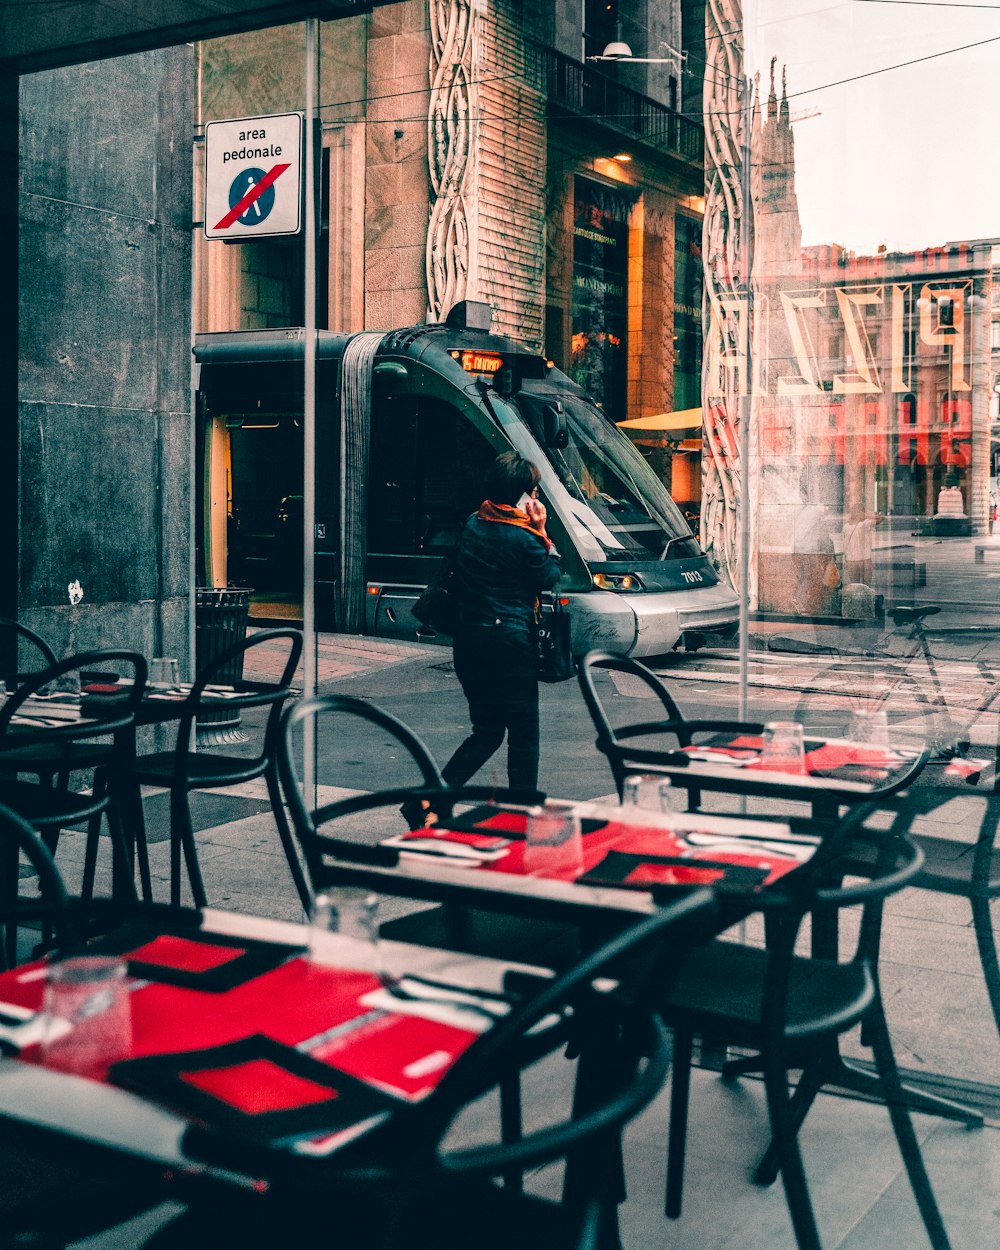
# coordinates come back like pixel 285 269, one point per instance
pixel 182 769
pixel 329 830
pixel 641 745
pixel 21 639
pixel 966 868
pixel 48 903
pixel 791 1008
pixel 101 743
pixel 415 1186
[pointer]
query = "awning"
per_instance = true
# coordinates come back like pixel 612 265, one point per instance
pixel 35 36
pixel 666 422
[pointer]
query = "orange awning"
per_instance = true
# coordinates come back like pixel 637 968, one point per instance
pixel 665 422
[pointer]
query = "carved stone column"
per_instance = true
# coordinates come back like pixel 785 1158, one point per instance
pixel 726 310
pixel 451 137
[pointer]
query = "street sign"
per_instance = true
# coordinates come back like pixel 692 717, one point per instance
pixel 253 177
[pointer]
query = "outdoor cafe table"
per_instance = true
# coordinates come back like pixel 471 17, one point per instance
pixel 630 859
pixel 380 1053
pixel 835 773
pixel 630 845
pixel 49 720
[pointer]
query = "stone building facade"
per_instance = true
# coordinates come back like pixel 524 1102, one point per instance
pixel 102 469
pixel 461 144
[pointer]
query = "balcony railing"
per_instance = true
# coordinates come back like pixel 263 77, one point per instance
pixel 575 87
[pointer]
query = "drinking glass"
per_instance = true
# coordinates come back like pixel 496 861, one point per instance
pixel 65 686
pixel 553 842
pixel 646 791
pixel 783 747
pixel 90 994
pixel 343 930
pixel 870 727
pixel 163 673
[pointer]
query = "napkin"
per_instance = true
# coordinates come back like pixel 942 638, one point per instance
pixel 468 847
pixel 20 1027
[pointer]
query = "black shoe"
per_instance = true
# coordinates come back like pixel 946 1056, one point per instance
pixel 418 814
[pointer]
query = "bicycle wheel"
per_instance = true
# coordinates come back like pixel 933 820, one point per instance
pixel 836 695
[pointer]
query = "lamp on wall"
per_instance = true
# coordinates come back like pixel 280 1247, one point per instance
pixel 618 50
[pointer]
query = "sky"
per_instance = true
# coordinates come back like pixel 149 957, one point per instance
pixel 907 156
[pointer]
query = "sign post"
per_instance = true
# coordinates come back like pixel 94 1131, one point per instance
pixel 253 177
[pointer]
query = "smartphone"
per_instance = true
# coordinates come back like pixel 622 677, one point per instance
pixel 523 502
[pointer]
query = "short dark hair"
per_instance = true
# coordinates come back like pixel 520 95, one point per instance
pixel 509 477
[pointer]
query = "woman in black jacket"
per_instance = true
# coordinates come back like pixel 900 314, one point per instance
pixel 502 561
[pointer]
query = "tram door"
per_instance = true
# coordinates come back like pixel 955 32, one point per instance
pixel 264 524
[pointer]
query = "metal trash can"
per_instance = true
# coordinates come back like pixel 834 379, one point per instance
pixel 220 621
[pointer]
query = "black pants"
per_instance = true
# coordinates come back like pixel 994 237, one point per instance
pixel 497 667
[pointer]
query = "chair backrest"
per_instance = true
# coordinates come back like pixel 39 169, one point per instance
pixel 48 903
pixel 309 822
pixel 113 712
pixel 41 654
pixel 641 961
pixel 245 693
pixel 617 742
pixel 818 890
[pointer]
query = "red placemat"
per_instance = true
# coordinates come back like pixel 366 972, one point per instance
pixel 255 1085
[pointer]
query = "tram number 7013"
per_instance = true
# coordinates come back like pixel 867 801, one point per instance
pixel 693 576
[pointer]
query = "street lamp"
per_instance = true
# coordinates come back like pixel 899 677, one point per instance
pixel 618 50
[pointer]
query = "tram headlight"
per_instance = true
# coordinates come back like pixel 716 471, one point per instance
pixel 617 581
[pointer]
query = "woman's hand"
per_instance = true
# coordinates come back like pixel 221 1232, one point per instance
pixel 536 513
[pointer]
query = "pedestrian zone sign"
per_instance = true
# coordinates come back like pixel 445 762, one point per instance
pixel 253 177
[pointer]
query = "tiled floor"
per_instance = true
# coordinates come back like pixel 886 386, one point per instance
pixel 860 1193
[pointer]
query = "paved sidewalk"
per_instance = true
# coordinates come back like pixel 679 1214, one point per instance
pixel 932 983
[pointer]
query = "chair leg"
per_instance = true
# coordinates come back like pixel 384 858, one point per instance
pixel 511 1125
pixel 123 880
pixel 127 798
pixel 680 1090
pixel 287 841
pixel 909 1147
pixel 983 923
pixel 90 857
pixel 182 839
pixel 810 1083
pixel 786 1143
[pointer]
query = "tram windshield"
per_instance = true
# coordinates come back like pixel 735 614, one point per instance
pixel 614 495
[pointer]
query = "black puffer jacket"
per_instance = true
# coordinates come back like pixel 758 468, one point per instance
pixel 500 570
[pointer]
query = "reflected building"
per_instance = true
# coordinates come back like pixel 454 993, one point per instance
pixel 870 379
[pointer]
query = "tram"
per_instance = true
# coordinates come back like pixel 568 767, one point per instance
pixel 406 424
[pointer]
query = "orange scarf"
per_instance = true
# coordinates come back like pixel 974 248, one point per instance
pixel 507 514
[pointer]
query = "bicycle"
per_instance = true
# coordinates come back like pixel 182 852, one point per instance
pixel 884 677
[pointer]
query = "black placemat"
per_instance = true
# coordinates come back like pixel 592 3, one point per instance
pixel 617 866
pixel 169 953
pixel 474 821
pixel 257 1086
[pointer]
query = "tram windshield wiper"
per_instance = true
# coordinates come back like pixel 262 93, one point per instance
pixel 677 538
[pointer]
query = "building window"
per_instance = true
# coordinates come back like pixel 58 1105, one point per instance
pixel 600 288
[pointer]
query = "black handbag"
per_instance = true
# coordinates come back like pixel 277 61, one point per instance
pixel 555 652
pixel 437 607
